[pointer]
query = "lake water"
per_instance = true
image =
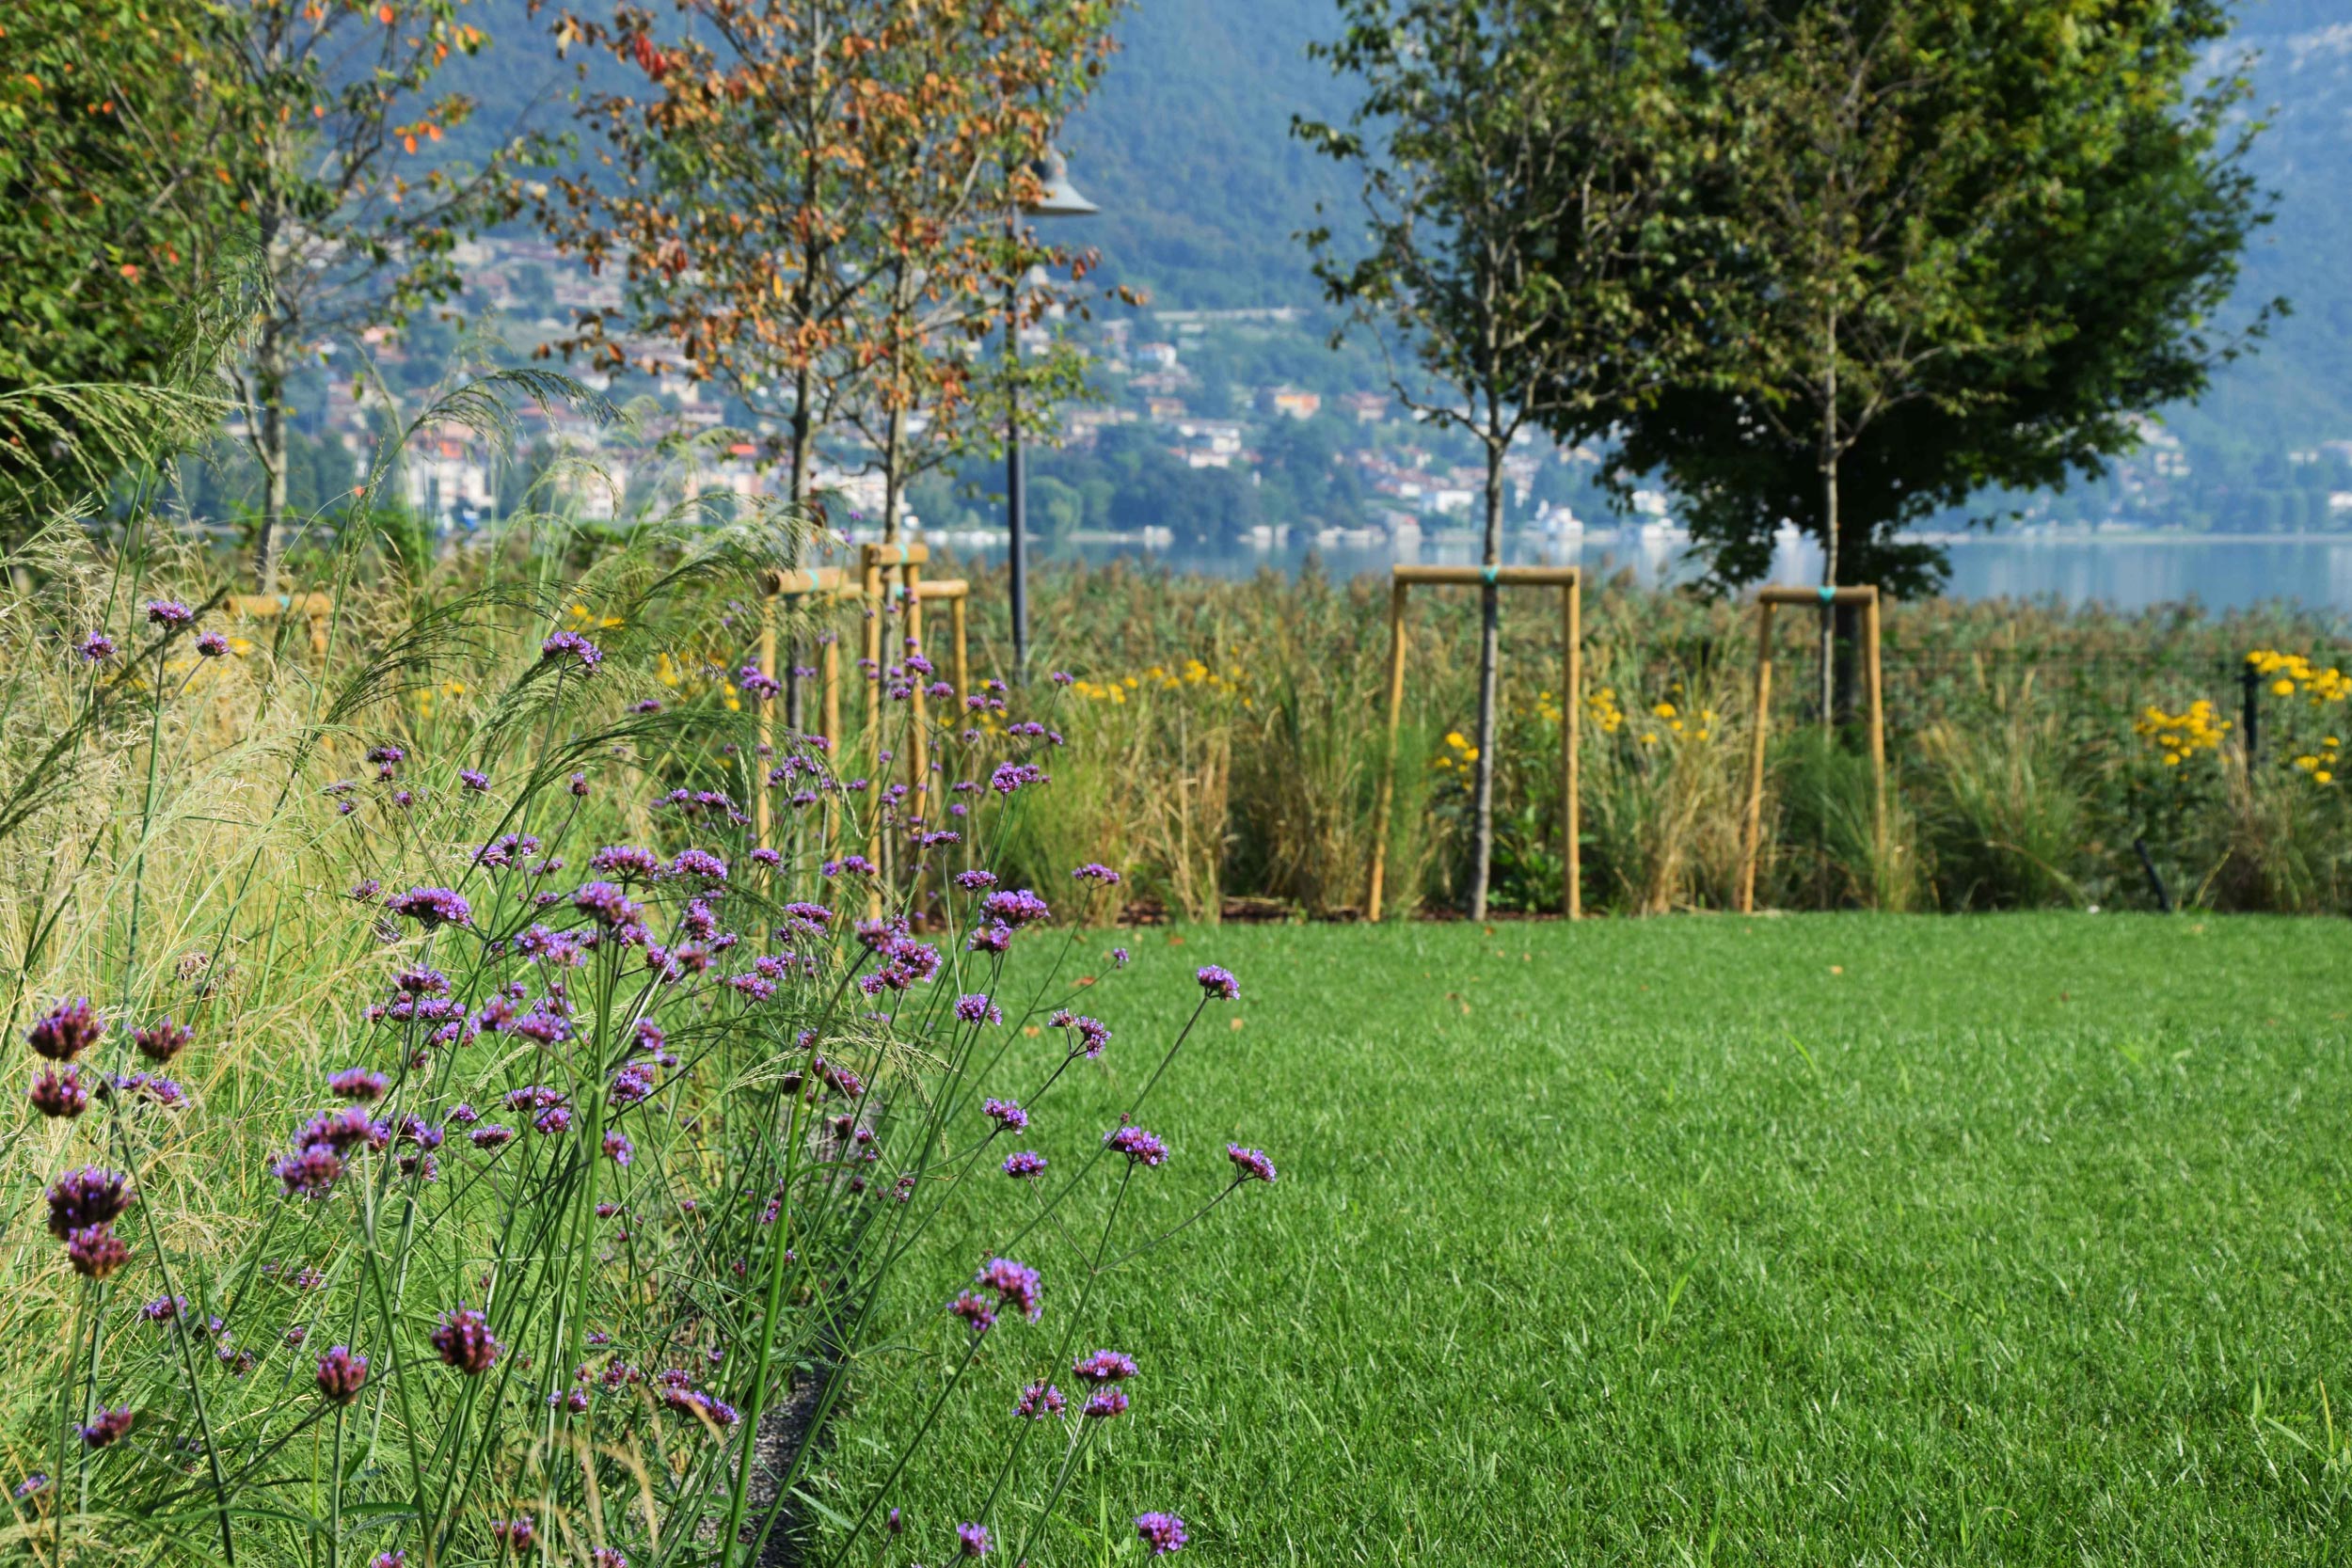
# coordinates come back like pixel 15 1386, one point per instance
pixel 2123 570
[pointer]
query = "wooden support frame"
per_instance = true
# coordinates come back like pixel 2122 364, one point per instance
pixel 833 585
pixel 318 609
pixel 804 582
pixel 1570 581
pixel 1751 817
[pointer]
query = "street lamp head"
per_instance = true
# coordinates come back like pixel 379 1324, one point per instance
pixel 1057 198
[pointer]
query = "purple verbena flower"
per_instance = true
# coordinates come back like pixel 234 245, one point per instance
pixel 607 903
pixel 1142 1148
pixel 699 863
pixel 1010 776
pixel 1119 958
pixel 430 907
pixel 162 1040
pixel 96 1251
pixel 85 1198
pixel 59 1092
pixel 632 1083
pixel 66 1030
pixel 976 1008
pixel 211 645
pixel 168 612
pixel 463 1339
pixel 1249 1164
pixel 1106 1403
pixel 1095 871
pixel 1104 1365
pixel 570 644
pixel 1025 1163
pixel 1017 1283
pixel 517 1533
pixel 618 1148
pixel 163 1309
pixel 489 1135
pixel 976 882
pixel 108 1428
pixel 358 1084
pixel 1006 1114
pixel 626 861
pixel 340 1374
pixel 1162 1533
pixel 311 1171
pixel 473 778
pixel 96 647
pixel 971 1540
pixel 1038 1400
pixel 1219 983
pixel 1016 909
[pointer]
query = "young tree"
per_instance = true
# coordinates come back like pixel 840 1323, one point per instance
pixel 327 112
pixel 808 190
pixel 949 176
pixel 1949 248
pixel 1517 158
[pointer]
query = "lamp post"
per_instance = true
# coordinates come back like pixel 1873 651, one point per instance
pixel 1058 198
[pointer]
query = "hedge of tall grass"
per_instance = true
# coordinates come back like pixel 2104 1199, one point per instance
pixel 1236 729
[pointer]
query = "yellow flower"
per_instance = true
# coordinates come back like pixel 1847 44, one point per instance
pixel 2323 776
pixel 1453 738
pixel 1664 710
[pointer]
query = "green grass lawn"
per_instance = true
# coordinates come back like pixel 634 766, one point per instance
pixel 1821 1240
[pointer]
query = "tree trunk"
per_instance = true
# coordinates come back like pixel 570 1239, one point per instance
pixel 894 441
pixel 269 450
pixel 803 461
pixel 1489 648
pixel 1829 526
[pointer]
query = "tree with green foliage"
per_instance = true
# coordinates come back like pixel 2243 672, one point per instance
pixel 1519 161
pixel 1946 248
pixel 109 226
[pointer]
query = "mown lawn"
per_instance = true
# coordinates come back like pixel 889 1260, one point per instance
pixel 1816 1240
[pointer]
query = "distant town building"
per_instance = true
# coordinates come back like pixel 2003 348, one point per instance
pixel 1160 357
pixel 1163 410
pixel 1289 403
pixel 1365 407
pixel 1082 424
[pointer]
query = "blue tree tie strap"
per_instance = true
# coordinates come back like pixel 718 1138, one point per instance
pixel 1829 596
pixel 1489 574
